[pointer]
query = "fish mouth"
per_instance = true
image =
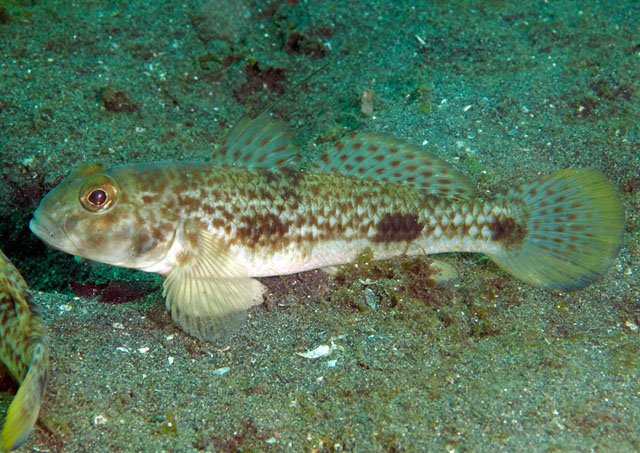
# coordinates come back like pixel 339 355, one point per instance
pixel 54 237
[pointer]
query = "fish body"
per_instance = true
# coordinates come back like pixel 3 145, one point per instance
pixel 24 350
pixel 211 227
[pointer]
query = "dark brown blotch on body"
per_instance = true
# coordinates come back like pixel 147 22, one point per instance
pixel 266 229
pixel 398 227
pixel 507 230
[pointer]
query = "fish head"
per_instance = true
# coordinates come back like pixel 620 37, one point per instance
pixel 94 213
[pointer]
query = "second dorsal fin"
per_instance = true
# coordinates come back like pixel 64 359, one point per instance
pixel 381 157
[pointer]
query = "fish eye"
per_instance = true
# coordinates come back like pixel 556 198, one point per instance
pixel 98 193
pixel 97 197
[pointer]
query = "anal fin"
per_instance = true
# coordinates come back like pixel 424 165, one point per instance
pixel 209 292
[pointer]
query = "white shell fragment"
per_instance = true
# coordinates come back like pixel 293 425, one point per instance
pixel 632 326
pixel 320 351
pixel 366 105
pixel 221 371
pixel 444 273
pixel 370 298
pixel 99 420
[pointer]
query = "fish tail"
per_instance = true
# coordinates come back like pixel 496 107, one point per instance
pixel 572 226
pixel 25 407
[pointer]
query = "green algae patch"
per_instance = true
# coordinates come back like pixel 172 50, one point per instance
pixel 404 286
pixel 626 358
pixel 402 277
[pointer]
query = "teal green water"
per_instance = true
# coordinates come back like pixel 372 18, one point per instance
pixel 503 91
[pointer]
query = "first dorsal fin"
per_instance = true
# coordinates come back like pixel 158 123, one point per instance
pixel 259 142
pixel 381 157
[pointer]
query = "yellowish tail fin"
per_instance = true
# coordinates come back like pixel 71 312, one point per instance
pixel 25 407
pixel 574 226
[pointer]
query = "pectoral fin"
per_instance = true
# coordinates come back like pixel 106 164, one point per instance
pixel 209 292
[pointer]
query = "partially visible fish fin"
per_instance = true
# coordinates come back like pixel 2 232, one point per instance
pixel 332 270
pixel 259 142
pixel 25 407
pixel 209 293
pixel 12 283
pixel 24 350
pixel 573 229
pixel 381 157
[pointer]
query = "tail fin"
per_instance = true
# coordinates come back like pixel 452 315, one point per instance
pixel 574 225
pixel 25 407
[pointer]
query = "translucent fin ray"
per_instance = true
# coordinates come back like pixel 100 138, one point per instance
pixel 574 230
pixel 209 293
pixel 381 157
pixel 24 350
pixel 25 407
pixel 260 142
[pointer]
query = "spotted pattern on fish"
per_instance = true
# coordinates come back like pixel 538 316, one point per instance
pixel 24 350
pixel 263 211
pixel 213 227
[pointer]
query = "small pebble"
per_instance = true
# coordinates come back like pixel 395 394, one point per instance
pixel 632 326
pixel 99 420
pixel 221 371
pixel 366 107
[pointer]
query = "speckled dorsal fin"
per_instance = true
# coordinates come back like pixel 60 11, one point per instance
pixel 384 158
pixel 260 142
pixel 208 292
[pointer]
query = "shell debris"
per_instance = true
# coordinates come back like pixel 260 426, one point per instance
pixel 320 351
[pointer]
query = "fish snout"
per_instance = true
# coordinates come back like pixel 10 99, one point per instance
pixel 49 232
